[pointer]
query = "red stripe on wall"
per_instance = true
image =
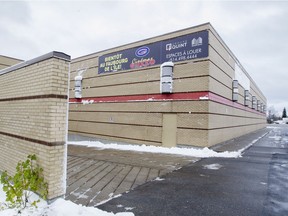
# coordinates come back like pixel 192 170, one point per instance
pixel 148 97
pixel 225 101
pixel 205 95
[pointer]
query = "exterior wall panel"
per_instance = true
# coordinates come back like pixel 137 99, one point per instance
pixel 192 137
pixel 221 135
pixel 201 98
pixel 6 61
pixel 154 119
pixel 137 132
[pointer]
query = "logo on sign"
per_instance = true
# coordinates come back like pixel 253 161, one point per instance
pixel 176 45
pixel 142 51
pixel 196 42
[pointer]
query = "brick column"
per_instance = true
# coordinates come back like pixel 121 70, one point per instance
pixel 33 116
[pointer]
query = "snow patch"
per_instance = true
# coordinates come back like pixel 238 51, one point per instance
pixel 263 183
pixel 159 179
pixel 204 98
pixel 60 207
pixel 84 102
pixel 193 152
pixel 276 138
pixel 271 127
pixel 213 166
pixel 129 208
pixel 107 200
pixel 79 77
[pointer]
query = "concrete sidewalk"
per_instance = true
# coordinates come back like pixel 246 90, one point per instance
pixel 94 175
pixel 255 184
pixel 240 142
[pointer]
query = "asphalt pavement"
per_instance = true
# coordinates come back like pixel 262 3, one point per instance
pixel 254 184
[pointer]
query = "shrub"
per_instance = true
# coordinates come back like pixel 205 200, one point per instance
pixel 27 179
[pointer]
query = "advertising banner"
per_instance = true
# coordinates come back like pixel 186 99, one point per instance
pixel 187 47
pixel 143 56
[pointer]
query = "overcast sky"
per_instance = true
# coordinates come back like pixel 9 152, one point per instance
pixel 256 32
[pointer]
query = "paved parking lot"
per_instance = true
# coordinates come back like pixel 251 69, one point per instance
pixel 254 184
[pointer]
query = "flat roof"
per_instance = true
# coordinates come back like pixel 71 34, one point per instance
pixel 55 54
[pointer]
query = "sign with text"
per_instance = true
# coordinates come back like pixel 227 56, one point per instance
pixel 187 47
pixel 143 56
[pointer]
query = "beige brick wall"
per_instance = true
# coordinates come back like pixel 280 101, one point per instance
pixel 228 120
pixel 33 117
pixel 219 135
pixel 140 122
pixel 6 61
pixel 50 158
pixel 187 78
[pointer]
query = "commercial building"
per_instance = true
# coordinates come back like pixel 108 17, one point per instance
pixel 181 88
pixel 6 61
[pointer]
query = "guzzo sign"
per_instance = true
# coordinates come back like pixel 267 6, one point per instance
pixel 187 47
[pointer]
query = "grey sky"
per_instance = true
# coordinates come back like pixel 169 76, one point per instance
pixel 255 31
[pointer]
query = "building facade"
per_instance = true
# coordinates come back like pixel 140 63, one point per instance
pixel 6 61
pixel 181 88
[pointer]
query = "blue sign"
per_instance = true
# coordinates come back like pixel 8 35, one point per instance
pixel 140 57
pixel 187 47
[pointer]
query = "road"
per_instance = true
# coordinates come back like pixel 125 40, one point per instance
pixel 254 184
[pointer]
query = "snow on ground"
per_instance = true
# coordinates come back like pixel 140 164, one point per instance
pixel 276 138
pixel 213 166
pixel 159 179
pixel 63 207
pixel 193 152
pixel 60 207
pixel 272 127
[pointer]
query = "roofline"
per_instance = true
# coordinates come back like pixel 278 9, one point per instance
pixel 52 54
pixel 11 58
pixel 237 61
pixel 180 30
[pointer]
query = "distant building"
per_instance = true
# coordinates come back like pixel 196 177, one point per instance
pixel 6 61
pixel 200 96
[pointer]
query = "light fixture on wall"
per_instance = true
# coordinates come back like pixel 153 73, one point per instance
pixel 258 105
pixel 254 102
pixel 78 82
pixel 246 98
pixel 264 108
pixel 78 86
pixel 235 90
pixel 166 78
pixel 261 108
